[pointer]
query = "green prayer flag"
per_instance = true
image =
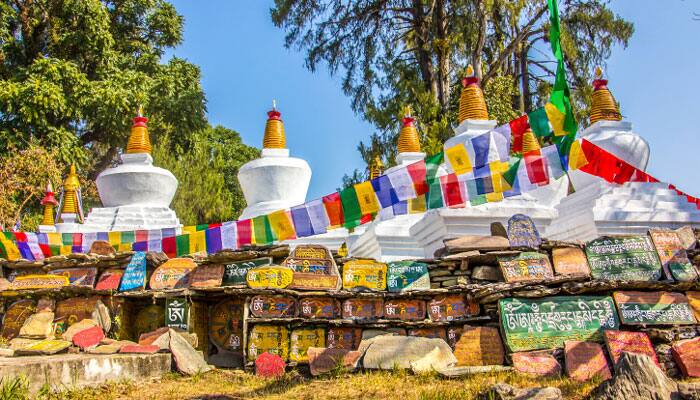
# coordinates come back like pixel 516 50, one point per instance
pixel 539 122
pixel 561 96
pixel 478 200
pixel 202 227
pixel 262 230
pixel 511 173
pixel 432 167
pixel 67 239
pixel 128 237
pixel 182 245
pixel 351 207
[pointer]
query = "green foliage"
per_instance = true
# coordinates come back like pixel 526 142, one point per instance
pixel 206 170
pixel 16 388
pixel 394 53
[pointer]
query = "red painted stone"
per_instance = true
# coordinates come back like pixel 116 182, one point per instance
pixel 630 342
pixel 536 363
pixel 687 356
pixel 88 337
pixel 110 279
pixel 584 360
pixel 139 349
pixel 269 366
pixel 147 339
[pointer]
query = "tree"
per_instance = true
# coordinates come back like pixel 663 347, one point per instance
pixel 72 73
pixel 393 53
pixel 207 172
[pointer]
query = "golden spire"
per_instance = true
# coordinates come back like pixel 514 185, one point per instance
pixel 274 130
pixel 603 105
pixel 472 104
pixel 139 142
pixel 377 168
pixel 408 138
pixel 71 185
pixel 49 202
pixel 530 142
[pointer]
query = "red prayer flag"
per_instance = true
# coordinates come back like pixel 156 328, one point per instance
pixel 334 209
pixel 20 236
pixel 244 232
pixel 170 246
pixel 517 128
pixel 451 192
pixel 536 168
pixel 418 175
pixel 141 236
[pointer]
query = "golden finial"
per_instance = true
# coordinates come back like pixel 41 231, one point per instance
pixel 409 141
pixel 139 142
pixel 70 193
pixel 603 105
pixel 530 142
pixel 49 202
pixel 274 130
pixel 343 250
pixel 472 104
pixel 377 167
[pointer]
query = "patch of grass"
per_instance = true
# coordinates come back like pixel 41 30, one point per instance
pixel 16 388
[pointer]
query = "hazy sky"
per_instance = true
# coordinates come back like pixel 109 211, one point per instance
pixel 245 65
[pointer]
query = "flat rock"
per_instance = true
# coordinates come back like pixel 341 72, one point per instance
pixel 637 377
pixel 503 391
pixel 323 360
pixel 187 360
pixel 6 352
pixel 475 242
pixel 102 316
pixel 44 347
pixel 585 360
pixel 686 353
pixel 139 349
pixel 147 339
pixel 536 363
pixel 388 352
pixel 487 273
pixel 38 326
pixel 269 366
pixel 436 359
pixel 20 343
pixel 89 337
pixel 77 327
pixel 111 348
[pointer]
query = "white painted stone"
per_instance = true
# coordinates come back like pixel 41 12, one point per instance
pixel 273 182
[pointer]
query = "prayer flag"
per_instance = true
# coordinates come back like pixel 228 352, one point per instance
pixel 244 232
pixel 334 209
pixel 384 191
pixel 402 183
pixel 369 205
pixel 451 190
pixel 302 221
pixel 281 224
pixel 539 122
pixel 351 207
pixel 262 231
pixel 551 154
pixel 458 159
pixel 229 239
pixel 182 245
pixel 418 172
pixel 214 240
pixel 318 215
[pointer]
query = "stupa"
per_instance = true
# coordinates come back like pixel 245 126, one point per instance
pixel 135 195
pixel 274 181
pixel 600 208
pixel 48 222
pixel 70 216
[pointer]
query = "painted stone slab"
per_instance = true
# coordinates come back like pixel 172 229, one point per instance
pixel 273 307
pixel 623 258
pixel 235 272
pixel 135 275
pixel 177 313
pixel 84 277
pixel 173 274
pixel 139 349
pixel 546 323
pixel 687 237
pixel 149 319
pixel 319 307
pixel 478 346
pixel 522 232
pixel 364 275
pixel 226 325
pixel 686 353
pixel 273 339
pixel 208 275
pixel 694 301
pixel 46 347
pixel 570 261
pixel 526 266
pixel 110 279
pixel 311 266
pixel 14 317
pixel 404 309
pixel 312 281
pixel 451 308
pixel 39 282
pixel 269 366
pixel 88 337
pixel 272 277
pixel 618 342
pixel 14 273
pixel 653 308
pixel 404 276
pixel 363 309
pixel 673 256
pixel 585 360
pixel 540 363
pixel 340 337
pixel 303 338
pixel 75 309
pixel 433 333
pixel 311 252
pixel 102 247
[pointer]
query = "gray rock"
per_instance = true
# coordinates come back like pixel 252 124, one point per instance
pixel 474 242
pixel 188 360
pixel 503 391
pixel 637 378
pixel 487 273
pixel 389 352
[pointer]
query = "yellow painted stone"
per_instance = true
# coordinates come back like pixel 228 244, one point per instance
pixel 273 339
pixel 302 339
pixel 39 282
pixel 269 277
pixel 364 274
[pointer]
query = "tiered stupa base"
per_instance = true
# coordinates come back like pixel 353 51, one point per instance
pixel 630 209
pixel 127 218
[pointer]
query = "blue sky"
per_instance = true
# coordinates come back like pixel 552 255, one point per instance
pixel 245 65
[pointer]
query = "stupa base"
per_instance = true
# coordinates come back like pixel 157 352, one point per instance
pixel 130 218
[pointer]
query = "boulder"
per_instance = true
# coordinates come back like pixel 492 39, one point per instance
pixel 323 360
pixel 38 326
pixel 388 352
pixel 503 391
pixel 637 377
pixel 77 327
pixel 187 360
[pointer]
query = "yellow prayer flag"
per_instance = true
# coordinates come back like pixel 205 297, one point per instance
pixel 54 238
pixel 494 197
pixel 417 205
pixel 115 238
pixel 497 169
pixel 367 198
pixel 198 241
pixel 189 229
pixel 556 118
pixel 66 249
pixel 577 158
pixel 282 225
pixel 124 247
pixel 10 248
pixel 459 159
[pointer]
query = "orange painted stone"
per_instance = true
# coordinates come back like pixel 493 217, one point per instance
pixel 451 308
pixel 88 337
pixel 273 307
pixel 432 333
pixel 570 261
pixel 686 353
pixel 363 309
pixel 83 277
pixel 323 360
pixel 536 363
pixel 208 275
pixel 404 309
pixel 14 317
pixel 343 338
pixel 618 342
pixel 173 274
pixel 110 279
pixel 139 349
pixel 479 346
pixel 75 309
pixel 319 307
pixel 585 360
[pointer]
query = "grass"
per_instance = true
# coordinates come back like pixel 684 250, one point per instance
pixel 228 385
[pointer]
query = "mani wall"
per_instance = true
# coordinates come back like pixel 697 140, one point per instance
pixel 506 299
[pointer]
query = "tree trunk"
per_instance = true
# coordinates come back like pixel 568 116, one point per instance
pixel 423 48
pixel 443 53
pixel 482 20
pixel 526 102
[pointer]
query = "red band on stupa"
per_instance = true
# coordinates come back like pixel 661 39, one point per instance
pixel 599 84
pixel 469 81
pixel 49 199
pixel 408 121
pixel 274 114
pixel 140 121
